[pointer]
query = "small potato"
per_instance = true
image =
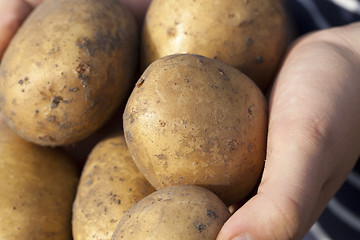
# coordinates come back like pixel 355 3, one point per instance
pixel 37 190
pixel 174 213
pixel 110 184
pixel 68 69
pixel 250 35
pixel 195 120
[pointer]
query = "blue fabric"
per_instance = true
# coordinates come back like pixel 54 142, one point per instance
pixel 332 14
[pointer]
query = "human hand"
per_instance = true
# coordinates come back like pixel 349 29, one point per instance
pixel 12 14
pixel 313 137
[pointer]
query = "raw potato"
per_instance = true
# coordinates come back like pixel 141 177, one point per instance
pixel 177 212
pixel 68 69
pixel 250 35
pixel 110 184
pixel 37 189
pixel 195 120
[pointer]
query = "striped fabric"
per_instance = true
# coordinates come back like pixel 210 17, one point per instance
pixel 341 219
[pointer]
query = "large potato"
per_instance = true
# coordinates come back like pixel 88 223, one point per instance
pixel 110 185
pixel 67 69
pixel 177 212
pixel 250 35
pixel 195 120
pixel 37 190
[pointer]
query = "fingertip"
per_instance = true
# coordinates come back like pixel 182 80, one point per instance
pixel 265 216
pixel 33 3
pixel 12 14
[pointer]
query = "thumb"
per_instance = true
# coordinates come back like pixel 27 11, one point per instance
pixel 297 183
pixel 294 189
pixel 273 213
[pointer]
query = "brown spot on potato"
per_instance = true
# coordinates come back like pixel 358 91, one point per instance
pixel 199 226
pixel 140 82
pixel 171 32
pixel 85 43
pixel 47 138
pixel 161 156
pixel 131 117
pixel 55 101
pixel 223 75
pixel 73 89
pixel 89 181
pixel 94 103
pixel 211 214
pixel 245 23
pixel 51 118
pixel 65 125
pixel 128 136
pixel 249 41
pixel 83 71
pixel 250 111
pixel 232 145
pixel 162 123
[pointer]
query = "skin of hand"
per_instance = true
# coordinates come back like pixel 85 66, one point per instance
pixel 313 137
pixel 12 14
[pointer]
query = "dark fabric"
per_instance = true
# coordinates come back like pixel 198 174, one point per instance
pixel 331 13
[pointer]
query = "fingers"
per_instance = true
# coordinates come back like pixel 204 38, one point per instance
pixel 313 143
pixel 284 203
pixel 12 13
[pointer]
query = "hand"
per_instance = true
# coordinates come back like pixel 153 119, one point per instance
pixel 12 14
pixel 313 137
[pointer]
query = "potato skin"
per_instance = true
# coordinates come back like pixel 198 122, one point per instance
pixel 68 69
pixel 37 189
pixel 250 35
pixel 177 212
pixel 110 185
pixel 195 120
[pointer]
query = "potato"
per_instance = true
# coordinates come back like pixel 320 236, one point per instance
pixel 68 69
pixel 177 212
pixel 195 120
pixel 110 184
pixel 250 35
pixel 37 189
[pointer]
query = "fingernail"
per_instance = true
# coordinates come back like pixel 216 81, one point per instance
pixel 243 237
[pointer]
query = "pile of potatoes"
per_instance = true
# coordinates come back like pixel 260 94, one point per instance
pixel 166 155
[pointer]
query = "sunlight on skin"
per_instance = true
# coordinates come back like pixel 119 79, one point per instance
pixel 12 14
